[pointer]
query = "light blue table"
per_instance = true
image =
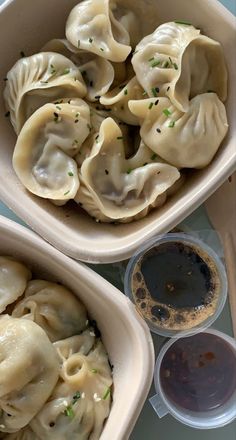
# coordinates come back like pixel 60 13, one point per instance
pixel 149 427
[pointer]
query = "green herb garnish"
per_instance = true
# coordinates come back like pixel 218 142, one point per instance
pixel 150 105
pixel 166 112
pixel 70 173
pixel 166 64
pixel 69 412
pixel 155 63
pixel 89 127
pixel 101 48
pixel 75 142
pixel 52 69
pixel 58 107
pixel 129 171
pixel 66 71
pixel 144 93
pixel 125 92
pixel 154 156
pixel 76 397
pixel 171 124
pixel 151 59
pixel 107 393
pixel 155 91
pixel 183 22
pixel 94 370
pixel 67 192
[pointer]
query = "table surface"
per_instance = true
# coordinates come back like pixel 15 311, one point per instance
pixel 148 425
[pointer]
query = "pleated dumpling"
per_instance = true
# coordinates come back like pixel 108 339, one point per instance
pixel 37 80
pixel 13 281
pixel 185 140
pixel 98 73
pixel 81 401
pixel 111 189
pixel 92 26
pixel 54 308
pixel 117 100
pixel 23 434
pixel 43 155
pixel 176 61
pixel 29 370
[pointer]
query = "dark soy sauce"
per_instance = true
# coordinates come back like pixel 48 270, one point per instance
pixel 177 276
pixel 198 373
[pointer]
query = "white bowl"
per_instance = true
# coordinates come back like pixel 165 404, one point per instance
pixel 124 333
pixel 25 25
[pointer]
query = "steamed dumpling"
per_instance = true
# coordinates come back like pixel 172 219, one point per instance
pixel 111 190
pixel 185 140
pixel 176 61
pixel 54 308
pixel 37 80
pixel 13 280
pixel 43 155
pixel 92 26
pixel 81 401
pixel 117 100
pixel 98 73
pixel 29 371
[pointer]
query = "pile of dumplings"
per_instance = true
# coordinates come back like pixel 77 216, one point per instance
pixel 109 117
pixel 55 376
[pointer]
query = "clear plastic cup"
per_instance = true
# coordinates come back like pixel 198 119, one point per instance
pixel 212 410
pixel 194 319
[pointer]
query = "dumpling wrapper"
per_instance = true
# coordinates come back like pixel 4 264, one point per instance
pixel 177 62
pixel 54 308
pixel 92 26
pixel 37 80
pixel 29 370
pixel 110 189
pixel 23 434
pixel 83 391
pixel 13 281
pixel 185 140
pixel 43 155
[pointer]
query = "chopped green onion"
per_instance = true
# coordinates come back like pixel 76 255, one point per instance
pixel 67 192
pixel 166 64
pixel 59 102
pixel 129 170
pixel 166 112
pixel 75 142
pixel 69 412
pixel 125 92
pixel 66 71
pixel 150 105
pixel 90 40
pixel 53 70
pixel 44 82
pixel 151 59
pixel 155 63
pixel 70 173
pixel 171 124
pixel 183 22
pixel 144 93
pixel 101 48
pixel 154 156
pixel 175 66
pixel 94 370
pixel 76 397
pixel 155 91
pixel 58 107
pixel 107 393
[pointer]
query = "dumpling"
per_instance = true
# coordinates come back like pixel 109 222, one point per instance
pixel 98 73
pixel 176 61
pixel 54 308
pixel 81 401
pixel 92 26
pixel 37 80
pixel 29 370
pixel 185 140
pixel 111 190
pixel 23 434
pixel 117 100
pixel 13 280
pixel 43 155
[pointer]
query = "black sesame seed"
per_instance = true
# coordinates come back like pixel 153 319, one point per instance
pixel 156 102
pixel 158 130
pixel 107 172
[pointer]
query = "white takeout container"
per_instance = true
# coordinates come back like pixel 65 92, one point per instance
pixel 26 25
pixel 125 335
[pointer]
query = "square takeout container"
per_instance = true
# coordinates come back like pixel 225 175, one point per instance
pixel 26 25
pixel 124 333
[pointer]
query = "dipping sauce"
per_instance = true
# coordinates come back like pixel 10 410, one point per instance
pixel 176 285
pixel 198 373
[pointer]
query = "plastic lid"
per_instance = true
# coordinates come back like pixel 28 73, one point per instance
pixel 187 281
pixel 195 380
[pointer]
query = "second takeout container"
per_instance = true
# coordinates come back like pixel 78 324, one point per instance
pixel 26 25
pixel 125 335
